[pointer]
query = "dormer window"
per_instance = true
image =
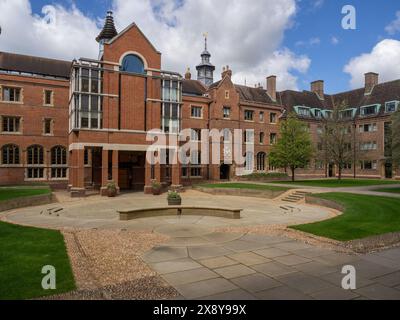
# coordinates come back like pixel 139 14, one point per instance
pixel 370 110
pixel 347 114
pixel 303 111
pixel 391 106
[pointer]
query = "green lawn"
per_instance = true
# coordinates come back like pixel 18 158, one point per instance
pixel 244 186
pixel 389 190
pixel 23 253
pixel 17 192
pixel 364 216
pixel 344 183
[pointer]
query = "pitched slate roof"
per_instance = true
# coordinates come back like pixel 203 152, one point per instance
pixel 193 88
pixel 258 95
pixel 34 65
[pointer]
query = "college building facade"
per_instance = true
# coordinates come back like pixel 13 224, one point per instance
pixel 84 123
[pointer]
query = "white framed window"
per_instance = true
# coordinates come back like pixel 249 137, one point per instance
pixel 10 155
pixel 272 138
pixel 226 112
pixel 391 106
pixel 11 124
pixel 369 110
pixel 48 98
pixel 195 134
pixel 11 94
pixel 261 116
pixel 369 164
pixel 196 112
pixel 249 136
pixel 59 166
pixel 248 115
pixel 35 162
pixel 273 118
pixel 368 127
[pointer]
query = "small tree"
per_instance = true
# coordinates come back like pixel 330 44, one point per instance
pixel 294 148
pixel 337 139
pixel 396 138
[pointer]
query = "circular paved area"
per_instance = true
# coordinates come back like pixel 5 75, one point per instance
pixel 101 213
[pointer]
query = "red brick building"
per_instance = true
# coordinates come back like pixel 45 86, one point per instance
pixel 85 123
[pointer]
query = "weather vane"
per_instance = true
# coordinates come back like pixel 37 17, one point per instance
pixel 205 35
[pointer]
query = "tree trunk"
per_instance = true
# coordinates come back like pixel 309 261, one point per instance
pixel 293 176
pixel 340 172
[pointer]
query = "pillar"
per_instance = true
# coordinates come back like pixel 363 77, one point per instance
pixel 115 168
pixel 148 188
pixel 176 176
pixel 77 174
pixel 104 172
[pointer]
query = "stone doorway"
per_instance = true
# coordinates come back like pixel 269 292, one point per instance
pixel 225 171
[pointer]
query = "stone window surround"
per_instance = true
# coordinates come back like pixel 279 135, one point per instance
pixel 12 86
pixel 51 98
pixel 201 111
pixel 21 125
pixel 51 127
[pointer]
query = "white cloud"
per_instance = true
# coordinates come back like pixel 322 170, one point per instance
pixel 283 63
pixel 247 37
pixel 309 43
pixel 335 41
pixel 381 59
pixel 318 3
pixel 57 33
pixel 394 26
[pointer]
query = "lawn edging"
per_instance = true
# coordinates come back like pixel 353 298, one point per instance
pixel 23 202
pixel 312 199
pixel 268 194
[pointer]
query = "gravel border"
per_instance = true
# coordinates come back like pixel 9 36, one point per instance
pixel 107 264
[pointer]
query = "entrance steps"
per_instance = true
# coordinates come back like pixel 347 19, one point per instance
pixel 295 197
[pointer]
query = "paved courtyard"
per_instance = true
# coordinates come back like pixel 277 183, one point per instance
pixel 203 259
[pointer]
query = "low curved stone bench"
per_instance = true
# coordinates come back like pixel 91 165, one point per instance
pixel 125 215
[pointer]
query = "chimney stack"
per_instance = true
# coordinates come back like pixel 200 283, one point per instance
pixel 371 80
pixel 271 87
pixel 226 72
pixel 318 88
pixel 188 75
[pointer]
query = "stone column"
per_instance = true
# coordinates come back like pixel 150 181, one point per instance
pixel 148 188
pixel 77 177
pixel 104 172
pixel 115 168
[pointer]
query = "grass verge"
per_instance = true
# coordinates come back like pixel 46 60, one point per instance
pixel 364 216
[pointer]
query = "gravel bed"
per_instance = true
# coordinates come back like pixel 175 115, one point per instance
pixel 107 264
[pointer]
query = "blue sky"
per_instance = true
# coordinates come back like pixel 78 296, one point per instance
pixel 310 34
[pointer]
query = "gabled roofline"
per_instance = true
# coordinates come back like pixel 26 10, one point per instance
pixel 126 30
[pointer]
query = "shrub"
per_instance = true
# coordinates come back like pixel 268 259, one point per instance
pixel 173 195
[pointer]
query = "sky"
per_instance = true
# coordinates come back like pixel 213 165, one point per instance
pixel 298 40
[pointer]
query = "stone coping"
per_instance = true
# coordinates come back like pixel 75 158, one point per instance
pixel 125 215
pixel 268 194
pixel 23 202
pixel 310 199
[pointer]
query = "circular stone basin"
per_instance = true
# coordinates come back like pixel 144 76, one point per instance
pixel 183 231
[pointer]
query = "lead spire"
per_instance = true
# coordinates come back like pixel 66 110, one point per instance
pixel 109 31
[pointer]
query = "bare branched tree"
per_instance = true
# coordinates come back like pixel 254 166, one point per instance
pixel 336 143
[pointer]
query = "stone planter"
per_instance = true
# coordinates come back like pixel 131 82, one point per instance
pixel 156 192
pixel 111 193
pixel 174 202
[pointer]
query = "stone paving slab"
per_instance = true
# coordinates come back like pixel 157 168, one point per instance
pixel 273 269
pixel 256 282
pixel 317 268
pixel 379 292
pixel 282 293
pixel 335 294
pixel 208 252
pixel 336 259
pixel 305 283
pixel 370 270
pixel 336 278
pixel 175 266
pixel 160 254
pixel 218 262
pixel 189 276
pixel 292 260
pixel 234 271
pixel 390 280
pixel 272 252
pixel 248 258
pixel 205 288
pixel 241 245
pixel 231 296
